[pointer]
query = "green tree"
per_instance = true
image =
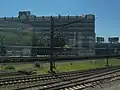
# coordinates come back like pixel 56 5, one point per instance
pixel 36 43
pixel 59 41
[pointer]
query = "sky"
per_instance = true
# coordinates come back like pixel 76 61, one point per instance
pixel 107 12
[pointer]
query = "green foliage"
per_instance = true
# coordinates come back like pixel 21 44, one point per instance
pixel 16 37
pixel 59 41
pixel 9 67
pixel 40 43
pixel 37 65
pixel 3 51
pixel 9 36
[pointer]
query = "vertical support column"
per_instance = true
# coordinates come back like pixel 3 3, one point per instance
pixel 21 53
pixel 108 54
pixel 33 44
pixel 93 44
pixel 77 43
pixel 107 57
pixel 52 46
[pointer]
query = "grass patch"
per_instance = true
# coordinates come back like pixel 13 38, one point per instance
pixel 67 66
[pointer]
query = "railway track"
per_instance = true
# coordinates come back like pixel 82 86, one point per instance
pixel 32 81
pixel 77 82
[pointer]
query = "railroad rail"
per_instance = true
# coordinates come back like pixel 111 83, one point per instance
pixel 76 82
pixel 42 80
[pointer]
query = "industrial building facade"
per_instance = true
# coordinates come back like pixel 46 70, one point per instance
pixel 80 35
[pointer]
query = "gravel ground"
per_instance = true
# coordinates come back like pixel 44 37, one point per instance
pixel 115 85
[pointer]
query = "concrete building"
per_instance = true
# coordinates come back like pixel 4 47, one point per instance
pixel 80 35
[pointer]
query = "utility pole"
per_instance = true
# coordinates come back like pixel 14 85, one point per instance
pixel 33 43
pixel 107 59
pixel 52 46
pixel 52 28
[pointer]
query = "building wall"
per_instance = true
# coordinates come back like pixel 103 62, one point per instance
pixel 80 35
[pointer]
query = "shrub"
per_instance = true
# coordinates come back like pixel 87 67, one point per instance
pixel 37 65
pixel 71 64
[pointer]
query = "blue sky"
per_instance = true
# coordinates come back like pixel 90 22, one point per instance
pixel 107 11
